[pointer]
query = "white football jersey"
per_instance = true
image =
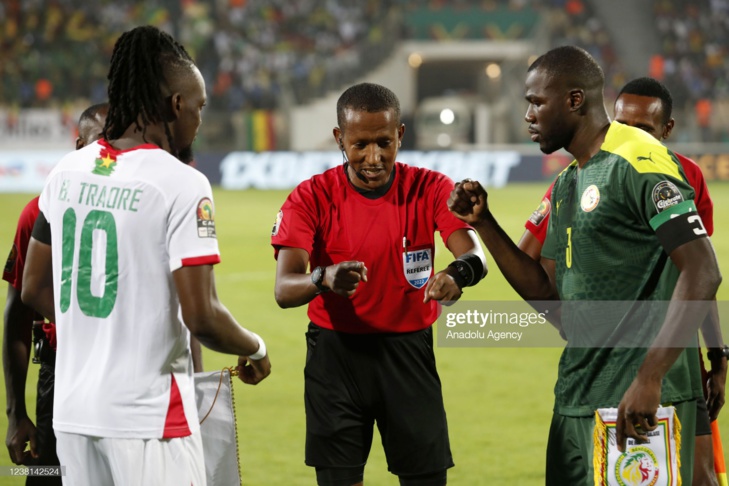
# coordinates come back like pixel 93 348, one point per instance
pixel 121 223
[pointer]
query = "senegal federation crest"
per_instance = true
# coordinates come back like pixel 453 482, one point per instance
pixel 417 265
pixel 590 198
pixel 652 463
pixel 638 467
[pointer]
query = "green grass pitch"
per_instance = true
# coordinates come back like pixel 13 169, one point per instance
pixel 499 401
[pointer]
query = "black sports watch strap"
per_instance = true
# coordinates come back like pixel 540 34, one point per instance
pixel 463 273
pixel 717 354
pixel 469 269
pixel 317 278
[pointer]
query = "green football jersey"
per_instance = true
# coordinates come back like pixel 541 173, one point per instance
pixel 612 273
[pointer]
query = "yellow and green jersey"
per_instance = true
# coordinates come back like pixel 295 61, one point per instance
pixel 611 257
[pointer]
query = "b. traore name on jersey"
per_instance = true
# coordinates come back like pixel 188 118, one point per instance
pixel 103 196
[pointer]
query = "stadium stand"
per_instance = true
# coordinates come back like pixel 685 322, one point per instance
pixel 575 22
pixel 56 52
pixel 693 62
pixel 263 56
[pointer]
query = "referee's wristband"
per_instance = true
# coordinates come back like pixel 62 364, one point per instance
pixel 469 270
pixel 261 353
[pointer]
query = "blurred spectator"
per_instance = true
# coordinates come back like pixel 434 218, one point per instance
pixel 656 68
pixel 703 118
pixel 43 90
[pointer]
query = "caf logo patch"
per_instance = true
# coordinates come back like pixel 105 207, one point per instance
pixel 205 219
pixel 277 223
pixel 541 212
pixel 12 258
pixel 666 194
pixel 590 198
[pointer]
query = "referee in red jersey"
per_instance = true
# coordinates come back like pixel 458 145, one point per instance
pixel 356 243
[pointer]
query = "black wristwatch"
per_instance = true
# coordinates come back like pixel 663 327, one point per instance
pixel 718 354
pixel 317 278
pixel 464 273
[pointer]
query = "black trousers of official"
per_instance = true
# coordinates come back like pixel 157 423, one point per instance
pixel 44 426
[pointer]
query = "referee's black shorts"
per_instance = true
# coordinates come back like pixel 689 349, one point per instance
pixel 354 380
pixel 45 436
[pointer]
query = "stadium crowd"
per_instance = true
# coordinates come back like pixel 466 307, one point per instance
pixel 573 22
pixel 271 54
pixel 248 51
pixel 695 45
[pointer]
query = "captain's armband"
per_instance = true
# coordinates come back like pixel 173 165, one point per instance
pixel 680 229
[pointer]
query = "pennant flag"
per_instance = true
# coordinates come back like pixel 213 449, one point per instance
pixel 215 406
pixel 655 463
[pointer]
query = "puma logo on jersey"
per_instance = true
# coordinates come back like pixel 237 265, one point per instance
pixel 650 155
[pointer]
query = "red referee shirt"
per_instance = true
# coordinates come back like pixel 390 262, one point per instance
pixel 13 272
pixel 393 235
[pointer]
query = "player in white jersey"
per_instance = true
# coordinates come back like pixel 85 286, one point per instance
pixel 129 231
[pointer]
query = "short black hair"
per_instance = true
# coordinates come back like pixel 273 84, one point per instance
pixel 368 97
pixel 572 65
pixel 91 112
pixel 652 88
pixel 142 60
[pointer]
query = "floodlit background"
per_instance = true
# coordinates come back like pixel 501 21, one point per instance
pixel 273 71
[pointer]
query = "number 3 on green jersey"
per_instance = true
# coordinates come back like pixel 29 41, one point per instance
pixel 568 250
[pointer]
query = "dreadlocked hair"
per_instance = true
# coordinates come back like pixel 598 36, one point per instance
pixel 140 60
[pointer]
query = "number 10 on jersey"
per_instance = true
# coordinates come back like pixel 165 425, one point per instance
pixel 99 222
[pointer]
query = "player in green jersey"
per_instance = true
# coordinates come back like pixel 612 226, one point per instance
pixel 623 228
